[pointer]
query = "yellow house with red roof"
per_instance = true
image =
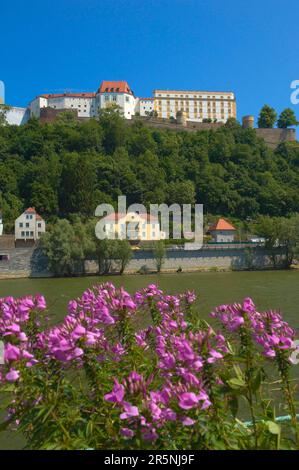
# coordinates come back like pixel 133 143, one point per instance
pixel 132 226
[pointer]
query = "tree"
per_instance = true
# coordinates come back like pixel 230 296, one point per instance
pixel 181 192
pixel 267 117
pixel 287 118
pixel 159 253
pixel 66 247
pixel 281 233
pixel 4 108
pixel 123 253
pixel 105 253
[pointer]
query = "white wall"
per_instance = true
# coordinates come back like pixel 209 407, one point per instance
pixel 29 223
pixel 125 101
pixel 144 106
pixel 17 116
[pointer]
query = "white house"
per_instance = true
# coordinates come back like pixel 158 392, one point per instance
pixel 1 224
pixel 84 103
pixel 119 93
pixel 145 106
pixel 223 232
pixel 29 226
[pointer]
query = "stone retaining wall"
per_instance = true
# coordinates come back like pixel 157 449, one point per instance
pixel 30 262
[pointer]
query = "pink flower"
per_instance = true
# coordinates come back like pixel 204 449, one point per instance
pixel 188 421
pixel 188 400
pixel 12 353
pixel 117 394
pixel 12 375
pixel 130 411
pixel 126 432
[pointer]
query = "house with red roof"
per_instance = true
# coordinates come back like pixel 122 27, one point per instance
pixel 29 226
pixel 222 232
pixel 117 93
pixel 88 104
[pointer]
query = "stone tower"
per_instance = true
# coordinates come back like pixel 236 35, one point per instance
pixel 248 122
pixel 181 118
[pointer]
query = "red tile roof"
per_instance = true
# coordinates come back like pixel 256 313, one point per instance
pixel 115 87
pixel 31 210
pixel 222 225
pixel 117 216
pixel 68 95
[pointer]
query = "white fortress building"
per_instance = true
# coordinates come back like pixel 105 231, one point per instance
pixel 197 106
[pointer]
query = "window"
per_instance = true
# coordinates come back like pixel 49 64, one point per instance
pixel 27 224
pixel 21 224
pixel 22 234
pixel 127 99
pixel 106 97
pixel 39 225
pixel 27 234
pixel 31 234
pixel 114 98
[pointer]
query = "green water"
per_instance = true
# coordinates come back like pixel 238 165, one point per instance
pixel 271 289
pixel 275 289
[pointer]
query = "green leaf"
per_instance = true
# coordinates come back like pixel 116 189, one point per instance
pixel 233 405
pixel 236 383
pixel 273 427
pixel 256 381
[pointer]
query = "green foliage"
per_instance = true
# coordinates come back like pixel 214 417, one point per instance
pixel 287 118
pixel 66 247
pixel 280 232
pixel 267 117
pixel 159 253
pixel 4 108
pixel 69 167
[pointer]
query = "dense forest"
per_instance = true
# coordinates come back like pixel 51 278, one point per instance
pixel 69 167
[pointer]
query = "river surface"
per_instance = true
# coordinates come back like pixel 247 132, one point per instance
pixel 271 289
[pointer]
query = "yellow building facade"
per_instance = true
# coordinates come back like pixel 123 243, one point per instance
pixel 197 105
pixel 133 227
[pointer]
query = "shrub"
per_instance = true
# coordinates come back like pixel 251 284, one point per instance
pixel 99 381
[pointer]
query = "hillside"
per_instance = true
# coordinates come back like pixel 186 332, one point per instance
pixel 68 167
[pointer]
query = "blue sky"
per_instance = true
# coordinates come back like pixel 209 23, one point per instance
pixel 251 48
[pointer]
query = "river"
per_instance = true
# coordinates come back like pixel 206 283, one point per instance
pixel 269 289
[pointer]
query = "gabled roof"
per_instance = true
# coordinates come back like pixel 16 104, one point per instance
pixel 118 215
pixel 222 225
pixel 68 95
pixel 31 210
pixel 115 87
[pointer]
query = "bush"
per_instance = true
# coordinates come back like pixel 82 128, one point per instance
pixel 97 381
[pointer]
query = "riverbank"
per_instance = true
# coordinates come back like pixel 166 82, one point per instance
pixel 30 262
